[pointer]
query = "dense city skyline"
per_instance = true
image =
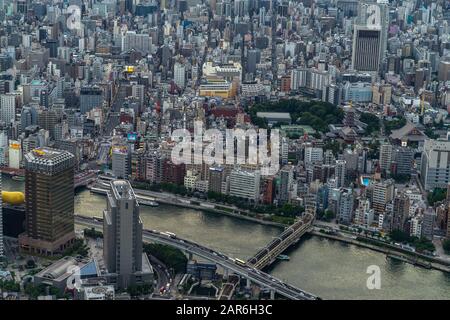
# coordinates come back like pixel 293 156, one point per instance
pixel 321 119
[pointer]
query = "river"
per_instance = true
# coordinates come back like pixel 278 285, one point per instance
pixel 329 269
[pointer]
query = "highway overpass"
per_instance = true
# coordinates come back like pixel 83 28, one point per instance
pixel 250 273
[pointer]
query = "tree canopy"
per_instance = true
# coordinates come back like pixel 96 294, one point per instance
pixel 315 113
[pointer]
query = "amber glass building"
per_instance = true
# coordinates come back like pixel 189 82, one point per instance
pixel 49 201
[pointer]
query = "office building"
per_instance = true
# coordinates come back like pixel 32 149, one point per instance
pixel 253 58
pixel 385 157
pixel 216 178
pixel 428 220
pixel 366 48
pixel 47 119
pixel 179 75
pixel 444 71
pixel 313 155
pixel 340 173
pixel 173 173
pixel 90 98
pixel 137 41
pixel 400 212
pixel 435 164
pixel 138 165
pixel 364 215
pixel 154 166
pixel 286 178
pixel 382 193
pixel 345 211
pixel 8 107
pixel 49 201
pixel 122 240
pixel 245 184
pixel 15 154
pixel 299 78
pixel 121 164
pixel 403 160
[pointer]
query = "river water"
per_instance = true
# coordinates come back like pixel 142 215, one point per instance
pixel 329 269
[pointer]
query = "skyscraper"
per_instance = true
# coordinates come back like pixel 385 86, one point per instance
pixel 49 205
pixel 8 107
pixel 435 164
pixel 253 58
pixel 385 156
pixel 138 41
pixel 90 98
pixel 345 211
pixel 444 71
pixel 286 179
pixel 366 48
pixel 400 212
pixel 179 75
pixel 376 13
pixel 340 173
pixel 122 242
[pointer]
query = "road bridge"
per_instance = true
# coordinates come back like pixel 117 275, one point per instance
pixel 248 272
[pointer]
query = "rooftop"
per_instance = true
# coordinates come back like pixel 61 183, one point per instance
pixel 48 160
pixel 122 189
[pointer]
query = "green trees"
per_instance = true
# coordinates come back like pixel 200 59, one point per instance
pixel 399 236
pixel 394 124
pixel 42 289
pixel 168 187
pixel 137 290
pixel 315 113
pixel 78 248
pixel 421 244
pixel 171 257
pixel 372 121
pixel 92 233
pixel 401 178
pixel 430 133
pixel 326 215
pixel 437 195
pixel 329 215
pixel 332 145
pixel 9 285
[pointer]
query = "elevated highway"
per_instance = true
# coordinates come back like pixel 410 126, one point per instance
pixel 248 272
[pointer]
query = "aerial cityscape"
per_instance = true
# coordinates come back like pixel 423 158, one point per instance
pixel 224 150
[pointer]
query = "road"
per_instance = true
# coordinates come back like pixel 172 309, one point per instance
pixel 112 118
pixel 256 276
pixel 164 277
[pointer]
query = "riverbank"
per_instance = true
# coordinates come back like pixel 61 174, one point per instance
pixel 207 206
pixel 415 259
